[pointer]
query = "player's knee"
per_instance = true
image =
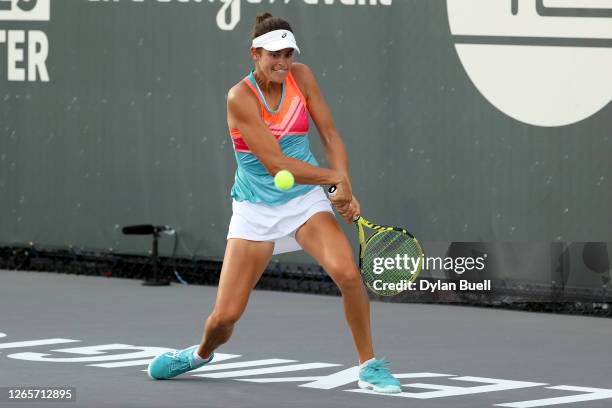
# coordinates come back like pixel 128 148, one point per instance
pixel 346 276
pixel 225 319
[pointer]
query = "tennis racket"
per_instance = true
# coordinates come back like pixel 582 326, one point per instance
pixel 390 259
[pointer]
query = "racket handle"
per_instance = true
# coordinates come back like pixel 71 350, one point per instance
pixel 332 190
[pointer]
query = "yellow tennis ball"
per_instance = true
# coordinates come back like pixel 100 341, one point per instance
pixel 283 180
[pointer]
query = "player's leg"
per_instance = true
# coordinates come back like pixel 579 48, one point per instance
pixel 243 264
pixel 323 239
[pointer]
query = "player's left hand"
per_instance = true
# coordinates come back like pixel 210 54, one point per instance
pixel 351 211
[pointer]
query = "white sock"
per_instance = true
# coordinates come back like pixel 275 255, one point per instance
pixel 365 363
pixel 197 359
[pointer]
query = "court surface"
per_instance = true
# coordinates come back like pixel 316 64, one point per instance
pixel 289 350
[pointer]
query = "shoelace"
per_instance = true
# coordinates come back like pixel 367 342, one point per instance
pixel 380 365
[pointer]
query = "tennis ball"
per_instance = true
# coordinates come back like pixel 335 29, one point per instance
pixel 283 180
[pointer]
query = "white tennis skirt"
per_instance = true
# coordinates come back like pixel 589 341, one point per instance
pixel 278 224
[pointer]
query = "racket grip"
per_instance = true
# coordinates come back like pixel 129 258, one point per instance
pixel 331 191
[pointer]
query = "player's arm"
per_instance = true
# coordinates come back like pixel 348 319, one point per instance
pixel 319 111
pixel 330 138
pixel 243 109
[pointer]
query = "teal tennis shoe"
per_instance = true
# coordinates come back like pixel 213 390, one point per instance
pixel 376 377
pixel 174 363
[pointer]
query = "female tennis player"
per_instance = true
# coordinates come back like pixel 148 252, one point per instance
pixel 267 116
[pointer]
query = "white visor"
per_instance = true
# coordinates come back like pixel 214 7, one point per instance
pixel 276 40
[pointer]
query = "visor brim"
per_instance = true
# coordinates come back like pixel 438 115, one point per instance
pixel 280 45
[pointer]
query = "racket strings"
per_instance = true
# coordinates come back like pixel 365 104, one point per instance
pixel 406 256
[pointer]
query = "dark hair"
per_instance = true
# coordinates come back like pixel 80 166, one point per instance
pixel 266 22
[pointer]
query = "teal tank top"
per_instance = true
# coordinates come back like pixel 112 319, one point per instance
pixel 289 125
